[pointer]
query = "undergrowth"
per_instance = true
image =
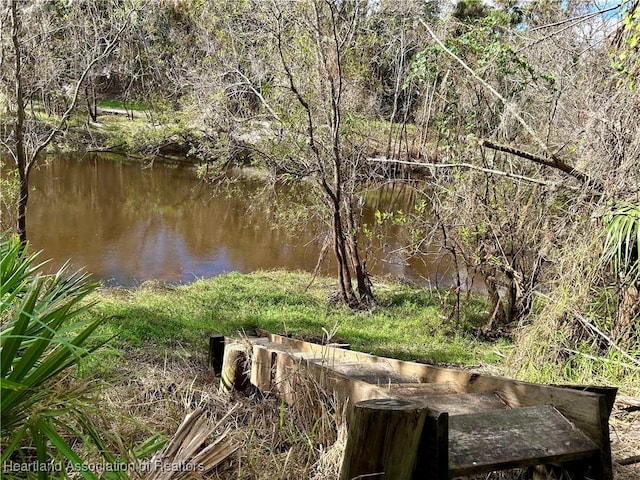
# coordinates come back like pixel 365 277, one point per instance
pixel 572 336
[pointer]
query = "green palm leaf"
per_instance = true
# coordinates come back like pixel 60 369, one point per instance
pixel 40 341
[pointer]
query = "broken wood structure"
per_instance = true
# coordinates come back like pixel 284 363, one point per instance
pixel 416 421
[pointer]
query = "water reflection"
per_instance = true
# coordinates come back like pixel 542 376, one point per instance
pixel 127 224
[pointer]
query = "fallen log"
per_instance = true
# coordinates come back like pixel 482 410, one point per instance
pixel 631 404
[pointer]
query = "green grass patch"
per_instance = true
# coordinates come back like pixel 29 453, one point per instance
pixel 408 323
pixel 112 103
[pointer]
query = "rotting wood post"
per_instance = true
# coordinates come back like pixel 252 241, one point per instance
pixel 383 438
pixel 262 361
pixel 233 368
pixel 216 352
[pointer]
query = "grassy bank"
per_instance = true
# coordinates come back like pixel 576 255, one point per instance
pixel 408 323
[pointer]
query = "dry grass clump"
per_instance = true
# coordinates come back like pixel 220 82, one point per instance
pixel 189 450
pixel 274 440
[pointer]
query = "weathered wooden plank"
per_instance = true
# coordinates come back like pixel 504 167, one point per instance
pixel 291 373
pixel 383 439
pixel 608 392
pixel 289 366
pixel 603 468
pixel 465 403
pixel 589 411
pixel 262 360
pixel 375 373
pixel 483 442
pixel 420 390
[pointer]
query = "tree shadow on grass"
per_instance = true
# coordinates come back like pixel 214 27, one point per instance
pixel 136 326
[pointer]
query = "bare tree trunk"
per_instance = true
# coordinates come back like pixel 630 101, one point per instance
pixel 20 149
pixel 326 152
pixel 628 315
pixel 92 102
pixel 23 198
pixel 346 288
pixel 364 285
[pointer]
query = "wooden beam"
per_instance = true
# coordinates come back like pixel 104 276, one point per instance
pixel 608 392
pixel 421 390
pixel 433 452
pixel 460 404
pixel 262 372
pixel 588 410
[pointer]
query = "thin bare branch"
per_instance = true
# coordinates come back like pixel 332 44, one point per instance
pixel 470 166
pixel 572 23
pixel 257 93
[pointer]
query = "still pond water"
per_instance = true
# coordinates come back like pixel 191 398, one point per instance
pixel 126 224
